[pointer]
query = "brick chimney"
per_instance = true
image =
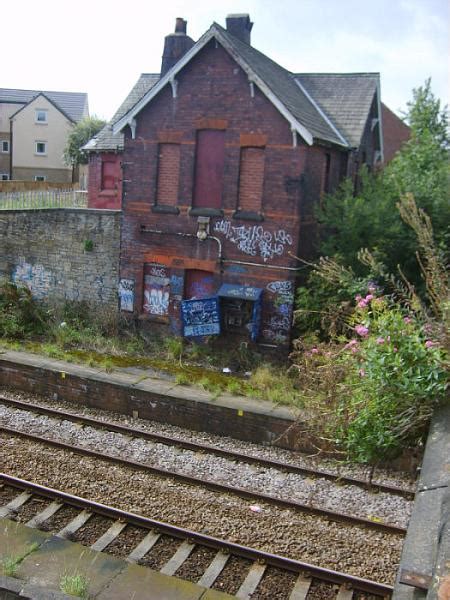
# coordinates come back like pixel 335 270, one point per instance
pixel 240 26
pixel 175 46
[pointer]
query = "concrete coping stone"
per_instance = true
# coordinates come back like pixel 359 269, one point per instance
pixel 153 384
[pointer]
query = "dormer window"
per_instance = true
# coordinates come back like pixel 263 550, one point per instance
pixel 41 116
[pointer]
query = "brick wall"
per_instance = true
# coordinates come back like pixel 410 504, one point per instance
pixel 97 197
pixel 46 250
pixel 275 221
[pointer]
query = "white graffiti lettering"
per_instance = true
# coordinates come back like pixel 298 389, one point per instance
pixel 255 239
pixel 126 294
pixel 280 287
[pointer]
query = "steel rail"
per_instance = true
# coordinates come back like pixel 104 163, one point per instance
pixel 274 560
pixel 219 487
pixel 197 447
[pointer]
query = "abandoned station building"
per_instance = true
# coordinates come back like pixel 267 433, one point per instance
pixel 217 163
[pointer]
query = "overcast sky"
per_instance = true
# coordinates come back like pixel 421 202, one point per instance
pixel 101 47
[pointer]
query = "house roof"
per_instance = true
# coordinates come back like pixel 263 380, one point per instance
pixel 105 138
pixel 72 104
pixel 329 107
pixel 345 97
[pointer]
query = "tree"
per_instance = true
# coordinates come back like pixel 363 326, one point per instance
pixel 81 133
pixel 371 220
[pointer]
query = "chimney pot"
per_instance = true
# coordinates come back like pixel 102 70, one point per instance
pixel 180 25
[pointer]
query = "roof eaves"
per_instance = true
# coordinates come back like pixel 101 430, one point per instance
pixel 215 32
pixel 323 114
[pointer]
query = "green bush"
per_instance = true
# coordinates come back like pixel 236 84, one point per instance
pixel 397 377
pixel 20 315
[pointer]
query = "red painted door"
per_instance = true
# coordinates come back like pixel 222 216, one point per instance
pixel 209 161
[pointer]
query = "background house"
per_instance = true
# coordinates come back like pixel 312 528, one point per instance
pixel 223 159
pixel 33 133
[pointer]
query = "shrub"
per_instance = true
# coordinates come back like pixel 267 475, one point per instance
pixel 396 377
pixel 20 315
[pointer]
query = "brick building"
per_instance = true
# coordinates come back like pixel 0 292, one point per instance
pixel 224 156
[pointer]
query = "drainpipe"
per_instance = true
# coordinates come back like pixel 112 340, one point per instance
pixel 10 149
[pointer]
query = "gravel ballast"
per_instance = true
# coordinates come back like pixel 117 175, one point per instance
pixel 356 550
pixel 314 491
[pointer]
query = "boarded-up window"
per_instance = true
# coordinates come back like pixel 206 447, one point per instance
pixel 109 176
pixel 156 289
pixel 251 179
pixel 209 161
pixel 168 174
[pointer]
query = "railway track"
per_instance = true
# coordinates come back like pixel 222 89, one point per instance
pixel 209 561
pixel 219 487
pixel 205 448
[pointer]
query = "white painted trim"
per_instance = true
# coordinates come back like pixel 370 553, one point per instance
pixel 380 123
pixel 215 33
pixel 327 119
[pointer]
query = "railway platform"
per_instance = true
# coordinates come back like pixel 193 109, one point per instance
pixel 47 558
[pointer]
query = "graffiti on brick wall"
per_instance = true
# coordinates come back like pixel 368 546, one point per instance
pixel 254 239
pixel 156 290
pixel 284 289
pixel 277 327
pixel 36 277
pixel 177 285
pixel 126 294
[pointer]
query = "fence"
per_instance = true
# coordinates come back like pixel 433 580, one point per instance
pixel 43 199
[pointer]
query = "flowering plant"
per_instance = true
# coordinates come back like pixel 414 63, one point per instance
pixel 394 380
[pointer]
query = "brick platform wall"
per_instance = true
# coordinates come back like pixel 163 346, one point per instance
pixel 48 250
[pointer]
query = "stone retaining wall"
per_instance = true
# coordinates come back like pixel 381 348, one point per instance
pixel 62 254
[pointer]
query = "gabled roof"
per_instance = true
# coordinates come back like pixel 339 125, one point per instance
pixel 73 104
pixel 333 108
pixel 105 138
pixel 277 84
pixel 345 97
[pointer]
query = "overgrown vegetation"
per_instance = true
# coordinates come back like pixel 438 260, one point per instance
pixel 374 323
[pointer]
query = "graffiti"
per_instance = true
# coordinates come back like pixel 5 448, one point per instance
pixel 176 285
pixel 158 271
pixel 254 239
pixel 200 317
pixel 280 323
pixel 156 301
pixel 156 290
pixel 126 294
pixel 37 279
pixel 281 287
pixel 275 336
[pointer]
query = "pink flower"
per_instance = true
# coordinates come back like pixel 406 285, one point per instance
pixel 430 344
pixel 358 297
pixel 388 338
pixel 407 320
pixel 314 351
pixel 362 373
pixel 395 349
pixel 355 349
pixel 362 330
pixel 380 340
pixel 351 343
pixel 368 298
pixel 362 303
